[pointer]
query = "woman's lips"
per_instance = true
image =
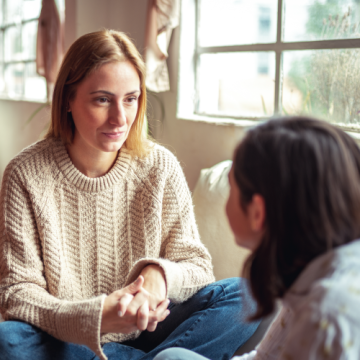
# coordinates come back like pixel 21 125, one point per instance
pixel 114 135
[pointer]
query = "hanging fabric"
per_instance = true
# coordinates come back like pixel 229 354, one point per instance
pixel 50 44
pixel 162 18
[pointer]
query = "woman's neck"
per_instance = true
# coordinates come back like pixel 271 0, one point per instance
pixel 91 162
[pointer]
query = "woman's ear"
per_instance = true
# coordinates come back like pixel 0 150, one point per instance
pixel 256 213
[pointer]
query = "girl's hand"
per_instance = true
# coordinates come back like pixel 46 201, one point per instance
pixel 127 310
pixel 155 284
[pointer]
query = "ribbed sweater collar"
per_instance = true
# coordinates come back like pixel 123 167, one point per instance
pixel 81 181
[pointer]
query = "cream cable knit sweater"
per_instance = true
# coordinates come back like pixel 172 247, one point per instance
pixel 67 240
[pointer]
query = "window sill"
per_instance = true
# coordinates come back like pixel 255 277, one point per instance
pixel 5 98
pixel 243 124
pixel 219 121
pixel 354 135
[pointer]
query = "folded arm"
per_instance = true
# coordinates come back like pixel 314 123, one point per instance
pixel 185 261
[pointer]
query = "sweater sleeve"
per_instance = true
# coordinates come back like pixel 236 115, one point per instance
pixel 183 257
pixel 24 289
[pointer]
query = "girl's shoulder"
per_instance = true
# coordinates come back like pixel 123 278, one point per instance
pixel 333 285
pixel 341 288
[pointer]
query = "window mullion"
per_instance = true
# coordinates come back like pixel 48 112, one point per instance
pixel 5 26
pixel 278 85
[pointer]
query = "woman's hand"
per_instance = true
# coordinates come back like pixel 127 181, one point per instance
pixel 127 310
pixel 155 284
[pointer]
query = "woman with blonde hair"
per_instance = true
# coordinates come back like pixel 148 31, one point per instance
pixel 100 253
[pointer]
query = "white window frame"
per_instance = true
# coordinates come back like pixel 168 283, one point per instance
pixel 3 28
pixel 190 51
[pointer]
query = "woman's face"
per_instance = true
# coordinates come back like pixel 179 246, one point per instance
pixel 247 226
pixel 105 106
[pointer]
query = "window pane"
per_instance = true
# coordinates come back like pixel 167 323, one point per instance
pixel 323 83
pixel 315 20
pixel 1 12
pixel 29 31
pixel 35 85
pixel 12 44
pixel 13 11
pixel 14 79
pixel 237 84
pixel 236 22
pixel 31 9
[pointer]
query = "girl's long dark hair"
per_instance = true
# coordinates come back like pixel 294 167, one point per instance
pixel 308 173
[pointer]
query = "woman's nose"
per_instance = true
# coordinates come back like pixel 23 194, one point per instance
pixel 117 115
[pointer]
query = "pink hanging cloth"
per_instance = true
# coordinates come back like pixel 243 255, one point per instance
pixel 162 17
pixel 50 44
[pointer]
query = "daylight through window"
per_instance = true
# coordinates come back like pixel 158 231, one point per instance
pixel 18 32
pixel 257 58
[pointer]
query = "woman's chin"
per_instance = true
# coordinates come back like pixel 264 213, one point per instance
pixel 112 146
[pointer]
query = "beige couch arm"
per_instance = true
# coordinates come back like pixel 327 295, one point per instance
pixel 210 197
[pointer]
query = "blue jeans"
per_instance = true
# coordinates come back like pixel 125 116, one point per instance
pixel 178 354
pixel 211 323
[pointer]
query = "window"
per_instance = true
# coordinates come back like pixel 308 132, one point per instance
pixel 251 59
pixel 18 31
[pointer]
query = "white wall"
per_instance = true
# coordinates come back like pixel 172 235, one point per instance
pixel 196 144
pixel 124 15
pixel 14 133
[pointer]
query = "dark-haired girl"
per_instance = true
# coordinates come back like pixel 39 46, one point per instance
pixel 295 201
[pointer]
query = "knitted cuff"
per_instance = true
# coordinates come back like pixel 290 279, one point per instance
pixel 80 322
pixel 172 270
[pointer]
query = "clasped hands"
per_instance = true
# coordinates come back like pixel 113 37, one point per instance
pixel 138 306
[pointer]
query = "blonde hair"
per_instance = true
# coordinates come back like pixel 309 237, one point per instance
pixel 85 55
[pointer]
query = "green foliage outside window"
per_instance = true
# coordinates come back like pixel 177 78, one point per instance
pixel 329 80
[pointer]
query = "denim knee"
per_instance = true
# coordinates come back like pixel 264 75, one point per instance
pixel 233 284
pixel 13 333
pixel 229 286
pixel 20 340
pixel 178 354
pixel 235 289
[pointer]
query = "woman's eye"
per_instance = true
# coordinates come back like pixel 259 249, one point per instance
pixel 132 99
pixel 102 100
